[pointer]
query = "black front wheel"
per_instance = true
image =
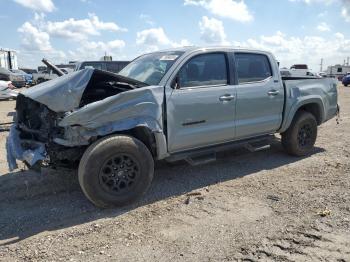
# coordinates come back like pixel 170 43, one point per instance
pixel 116 171
pixel 300 137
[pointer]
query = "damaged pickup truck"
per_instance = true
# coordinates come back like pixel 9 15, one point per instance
pixel 186 103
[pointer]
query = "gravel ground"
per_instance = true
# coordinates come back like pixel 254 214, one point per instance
pixel 263 206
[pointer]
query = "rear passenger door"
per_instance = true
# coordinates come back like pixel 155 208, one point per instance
pixel 260 95
pixel 201 106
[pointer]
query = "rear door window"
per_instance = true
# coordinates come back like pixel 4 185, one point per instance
pixel 204 70
pixel 252 67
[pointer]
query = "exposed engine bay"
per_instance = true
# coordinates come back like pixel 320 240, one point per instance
pixel 56 120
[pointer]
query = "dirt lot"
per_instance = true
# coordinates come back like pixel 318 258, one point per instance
pixel 264 206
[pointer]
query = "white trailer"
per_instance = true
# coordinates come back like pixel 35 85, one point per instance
pixel 8 59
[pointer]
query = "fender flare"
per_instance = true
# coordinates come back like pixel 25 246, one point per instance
pixel 307 100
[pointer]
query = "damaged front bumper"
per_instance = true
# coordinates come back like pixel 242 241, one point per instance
pixel 30 152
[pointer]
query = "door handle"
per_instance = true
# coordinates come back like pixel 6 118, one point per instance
pixel 226 97
pixel 273 92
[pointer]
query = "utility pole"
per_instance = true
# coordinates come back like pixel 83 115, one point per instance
pixel 321 65
pixel 347 61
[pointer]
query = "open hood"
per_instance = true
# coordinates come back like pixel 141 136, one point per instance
pixel 65 93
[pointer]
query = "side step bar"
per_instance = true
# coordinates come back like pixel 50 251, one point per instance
pixel 208 154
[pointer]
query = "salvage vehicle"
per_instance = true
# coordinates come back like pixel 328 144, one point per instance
pixel 28 77
pixel 186 103
pixel 51 72
pixel 110 66
pixel 18 80
pixel 6 90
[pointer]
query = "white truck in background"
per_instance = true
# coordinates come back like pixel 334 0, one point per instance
pixel 50 73
pixel 300 70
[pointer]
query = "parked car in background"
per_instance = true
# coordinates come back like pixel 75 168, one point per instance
pixel 6 90
pixel 27 77
pixel 110 66
pixel 346 80
pixel 18 80
pixel 29 71
pixel 185 103
pixel 300 70
pixel 50 72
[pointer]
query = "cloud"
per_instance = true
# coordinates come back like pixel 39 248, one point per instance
pixel 212 31
pixel 33 39
pixel 182 43
pixel 309 49
pixel 323 27
pixel 36 45
pixel 152 38
pixel 37 5
pixel 36 36
pixel 147 19
pixel 92 50
pixel 235 10
pixel 327 2
pixel 345 10
pixel 77 30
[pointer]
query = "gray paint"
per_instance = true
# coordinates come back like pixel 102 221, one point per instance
pixel 61 94
pixel 138 107
pixel 253 111
pixel 322 92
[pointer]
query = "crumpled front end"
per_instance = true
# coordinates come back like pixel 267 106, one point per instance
pixel 31 134
pixel 56 122
pixel 29 152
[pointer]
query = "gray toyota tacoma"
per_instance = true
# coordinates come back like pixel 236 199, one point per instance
pixel 186 103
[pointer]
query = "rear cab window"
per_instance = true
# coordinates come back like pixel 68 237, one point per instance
pixel 252 67
pixel 204 70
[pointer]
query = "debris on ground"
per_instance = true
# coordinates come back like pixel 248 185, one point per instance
pixel 324 213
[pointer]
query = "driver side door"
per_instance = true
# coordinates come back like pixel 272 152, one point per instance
pixel 201 106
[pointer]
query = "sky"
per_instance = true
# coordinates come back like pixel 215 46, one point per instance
pixel 296 31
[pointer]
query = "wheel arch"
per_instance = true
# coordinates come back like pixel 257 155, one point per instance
pixel 153 140
pixel 312 105
pixel 313 108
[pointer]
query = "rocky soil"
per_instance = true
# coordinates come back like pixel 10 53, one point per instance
pixel 263 206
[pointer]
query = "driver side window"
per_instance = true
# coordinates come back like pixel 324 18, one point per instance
pixel 204 70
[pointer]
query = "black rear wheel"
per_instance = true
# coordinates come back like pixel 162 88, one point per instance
pixel 300 137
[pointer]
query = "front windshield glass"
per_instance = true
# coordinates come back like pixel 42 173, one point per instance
pixel 151 68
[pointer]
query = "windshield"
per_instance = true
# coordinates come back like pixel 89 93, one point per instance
pixel 151 68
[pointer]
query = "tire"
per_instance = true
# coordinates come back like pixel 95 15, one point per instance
pixel 115 171
pixel 300 137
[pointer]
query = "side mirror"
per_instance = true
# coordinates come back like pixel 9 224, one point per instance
pixel 176 83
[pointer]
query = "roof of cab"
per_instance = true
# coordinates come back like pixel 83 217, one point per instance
pixel 190 49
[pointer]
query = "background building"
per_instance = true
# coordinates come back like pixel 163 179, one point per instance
pixel 8 59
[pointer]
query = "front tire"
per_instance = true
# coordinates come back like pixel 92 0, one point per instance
pixel 300 137
pixel 116 171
